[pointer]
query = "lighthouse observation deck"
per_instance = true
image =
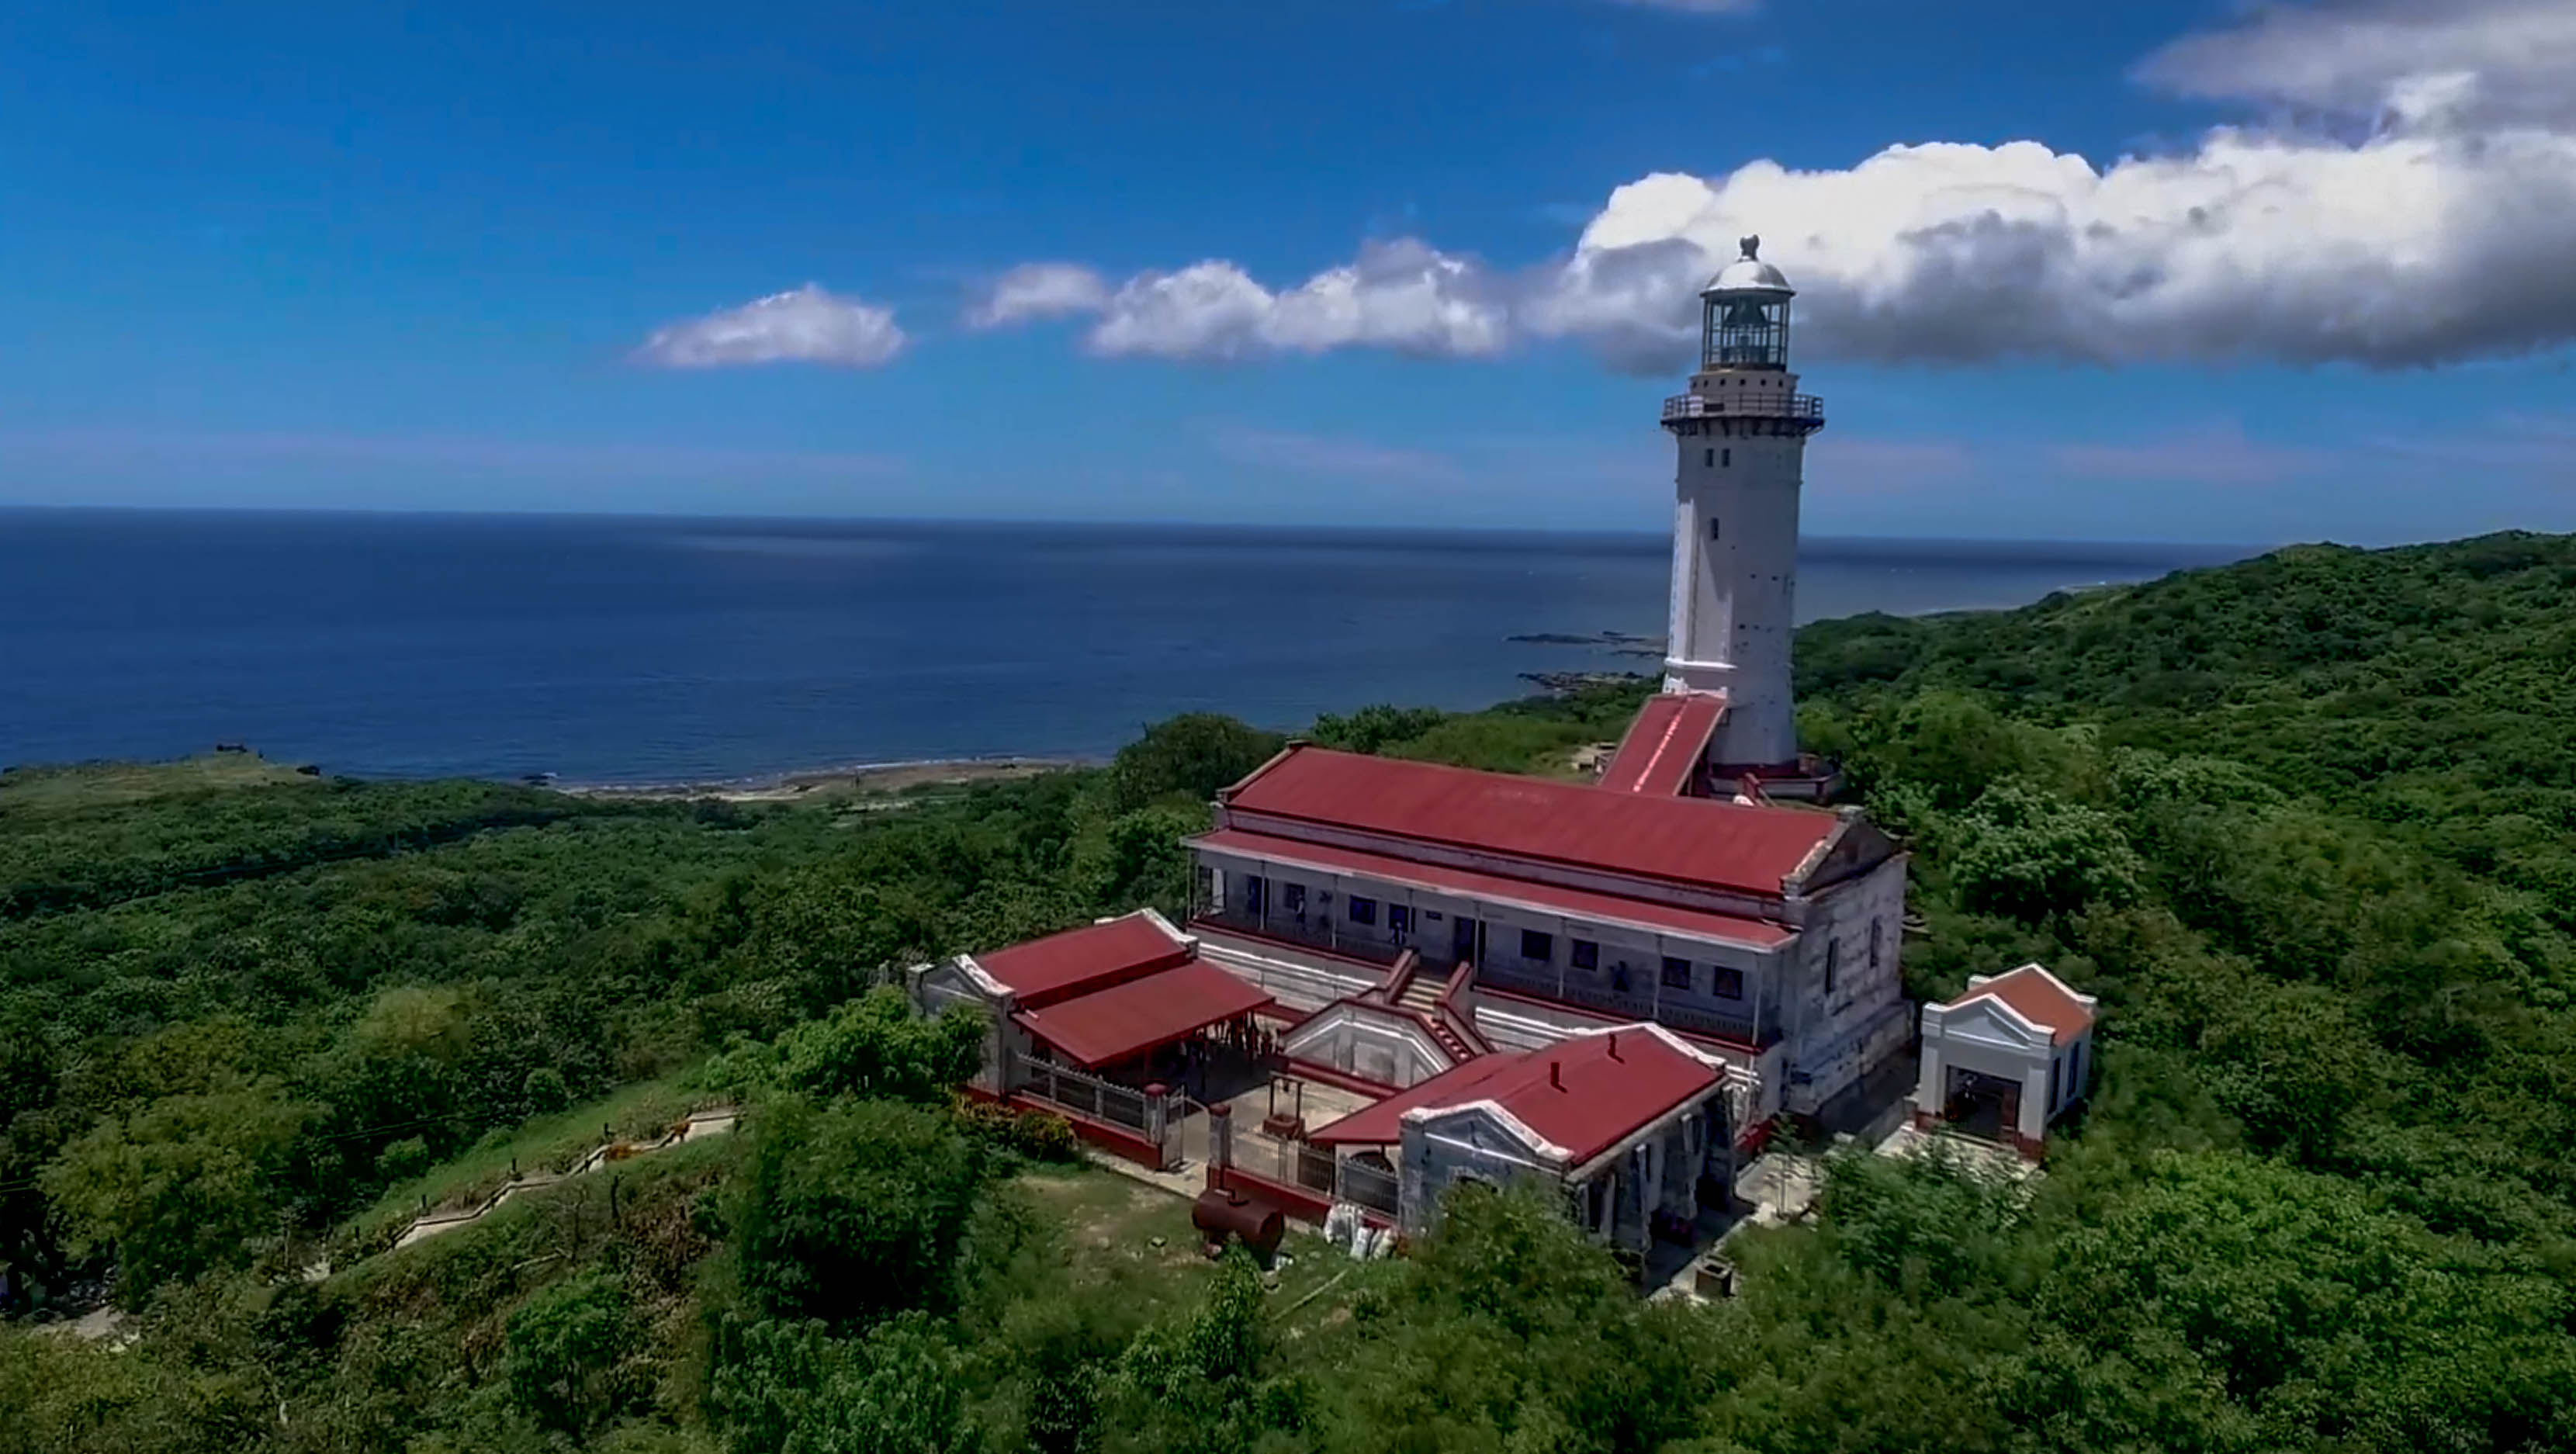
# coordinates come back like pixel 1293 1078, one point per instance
pixel 1805 413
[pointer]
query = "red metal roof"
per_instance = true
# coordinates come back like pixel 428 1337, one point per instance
pixel 2039 997
pixel 1665 742
pixel 1126 1020
pixel 1698 841
pixel 1044 970
pixel 1577 903
pixel 1583 1095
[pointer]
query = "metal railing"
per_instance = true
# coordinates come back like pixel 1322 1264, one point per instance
pixel 1317 1169
pixel 1364 1185
pixel 1314 932
pixel 1088 1095
pixel 1754 405
pixel 1628 1006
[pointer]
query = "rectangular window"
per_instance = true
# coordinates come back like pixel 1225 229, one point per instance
pixel 1252 895
pixel 1537 946
pixel 1362 911
pixel 1584 953
pixel 1708 457
pixel 1727 984
pixel 1712 527
pixel 1727 458
pixel 1833 963
pixel 1293 897
pixel 1676 973
pixel 1399 918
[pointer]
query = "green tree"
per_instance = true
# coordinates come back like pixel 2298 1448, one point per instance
pixel 2326 1318
pixel 1376 728
pixel 180 1187
pixel 1204 1383
pixel 1935 1223
pixel 873 1046
pixel 1511 1329
pixel 1191 756
pixel 1957 745
pixel 564 1351
pixel 1147 863
pixel 793 1389
pixel 2031 854
pixel 854 1211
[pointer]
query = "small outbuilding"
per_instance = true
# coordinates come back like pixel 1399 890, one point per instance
pixel 2006 1058
pixel 1125 1001
pixel 1634 1124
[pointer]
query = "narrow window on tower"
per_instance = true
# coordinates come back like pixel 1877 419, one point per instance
pixel 1712 527
pixel 1728 459
pixel 1708 456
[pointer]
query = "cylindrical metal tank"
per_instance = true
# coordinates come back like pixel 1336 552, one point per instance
pixel 1220 1214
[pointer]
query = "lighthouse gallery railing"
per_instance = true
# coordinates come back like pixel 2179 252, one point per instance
pixel 1760 406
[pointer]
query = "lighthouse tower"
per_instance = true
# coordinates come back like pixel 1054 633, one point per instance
pixel 1742 430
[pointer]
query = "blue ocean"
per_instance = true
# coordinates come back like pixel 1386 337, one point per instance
pixel 646 650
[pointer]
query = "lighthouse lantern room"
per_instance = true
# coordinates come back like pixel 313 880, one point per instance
pixel 1742 433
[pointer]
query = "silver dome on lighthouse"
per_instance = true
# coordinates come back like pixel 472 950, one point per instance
pixel 1749 274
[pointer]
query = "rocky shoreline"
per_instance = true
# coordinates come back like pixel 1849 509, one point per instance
pixel 1617 643
pixel 884 779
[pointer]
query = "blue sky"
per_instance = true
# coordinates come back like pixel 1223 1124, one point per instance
pixel 495 256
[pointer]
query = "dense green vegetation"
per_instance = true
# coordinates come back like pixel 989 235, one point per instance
pixel 338 985
pixel 2307 825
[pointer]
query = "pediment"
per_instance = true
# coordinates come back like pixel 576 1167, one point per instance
pixel 1476 1125
pixel 947 980
pixel 1988 1022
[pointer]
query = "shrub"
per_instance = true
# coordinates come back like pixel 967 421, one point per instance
pixel 1037 1135
pixel 2030 854
pixel 403 1160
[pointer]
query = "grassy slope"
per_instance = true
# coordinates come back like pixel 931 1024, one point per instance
pixel 641 1111
pixel 107 784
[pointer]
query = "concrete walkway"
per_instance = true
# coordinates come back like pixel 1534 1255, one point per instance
pixel 700 1125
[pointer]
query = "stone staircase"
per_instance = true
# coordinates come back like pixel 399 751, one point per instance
pixel 1423 996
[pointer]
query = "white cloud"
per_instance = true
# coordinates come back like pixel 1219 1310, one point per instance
pixel 1039 290
pixel 2424 219
pixel 807 325
pixel 2411 246
pixel 1401 295
pixel 2497 61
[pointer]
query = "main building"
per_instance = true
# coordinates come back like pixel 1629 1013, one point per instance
pixel 1612 984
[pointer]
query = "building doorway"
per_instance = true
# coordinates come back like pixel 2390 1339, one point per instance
pixel 1984 1106
pixel 1462 939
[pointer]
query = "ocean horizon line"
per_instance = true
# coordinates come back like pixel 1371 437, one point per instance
pixel 1659 537
pixel 613 650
